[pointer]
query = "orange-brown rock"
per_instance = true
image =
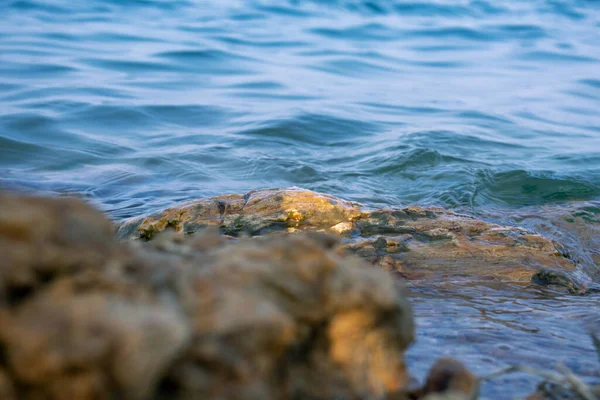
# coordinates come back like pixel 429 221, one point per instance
pixel 42 239
pixel 256 212
pixel 414 242
pixel 83 316
pixel 302 320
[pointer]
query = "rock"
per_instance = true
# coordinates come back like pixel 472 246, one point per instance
pixel 447 379
pixel 75 321
pixel 44 239
pixel 451 378
pixel 558 280
pixel 257 212
pixel 414 242
pixel 433 243
pixel 284 316
pixel 7 391
pixel 90 346
pixel 84 316
pixel 576 225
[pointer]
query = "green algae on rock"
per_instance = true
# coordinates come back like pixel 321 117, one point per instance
pixel 414 242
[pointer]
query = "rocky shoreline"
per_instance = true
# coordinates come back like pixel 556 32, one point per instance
pixel 413 242
pixel 240 297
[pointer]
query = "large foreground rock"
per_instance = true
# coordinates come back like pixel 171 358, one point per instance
pixel 83 316
pixel 414 242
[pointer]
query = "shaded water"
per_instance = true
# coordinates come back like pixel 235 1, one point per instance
pixel 486 107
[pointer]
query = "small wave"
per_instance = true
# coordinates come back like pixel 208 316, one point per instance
pixel 416 159
pixel 145 67
pixel 201 55
pixel 523 188
pixel 541 55
pixel 355 68
pixel 312 129
pixel 25 70
pixel 45 6
pixel 365 32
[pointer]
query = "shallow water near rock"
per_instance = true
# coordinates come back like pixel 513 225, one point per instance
pixel 487 108
pixel 493 327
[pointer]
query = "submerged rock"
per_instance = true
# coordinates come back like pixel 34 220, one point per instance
pixel 448 379
pixel 576 225
pixel 414 242
pixel 83 316
pixel 451 378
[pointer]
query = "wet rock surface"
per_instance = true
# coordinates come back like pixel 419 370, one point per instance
pixel 413 242
pixel 576 225
pixel 84 316
pixel 254 213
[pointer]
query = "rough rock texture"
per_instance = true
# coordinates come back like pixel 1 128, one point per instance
pixel 79 316
pixel 83 316
pixel 576 225
pixel 255 213
pixel 414 242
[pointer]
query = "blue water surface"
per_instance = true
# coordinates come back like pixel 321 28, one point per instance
pixel 464 104
pixel 488 107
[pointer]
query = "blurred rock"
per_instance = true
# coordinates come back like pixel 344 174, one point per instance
pixel 450 378
pixel 83 316
pixel 44 239
pixel 7 391
pixel 447 379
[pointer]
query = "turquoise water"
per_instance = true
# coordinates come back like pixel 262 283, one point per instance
pixel 489 107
